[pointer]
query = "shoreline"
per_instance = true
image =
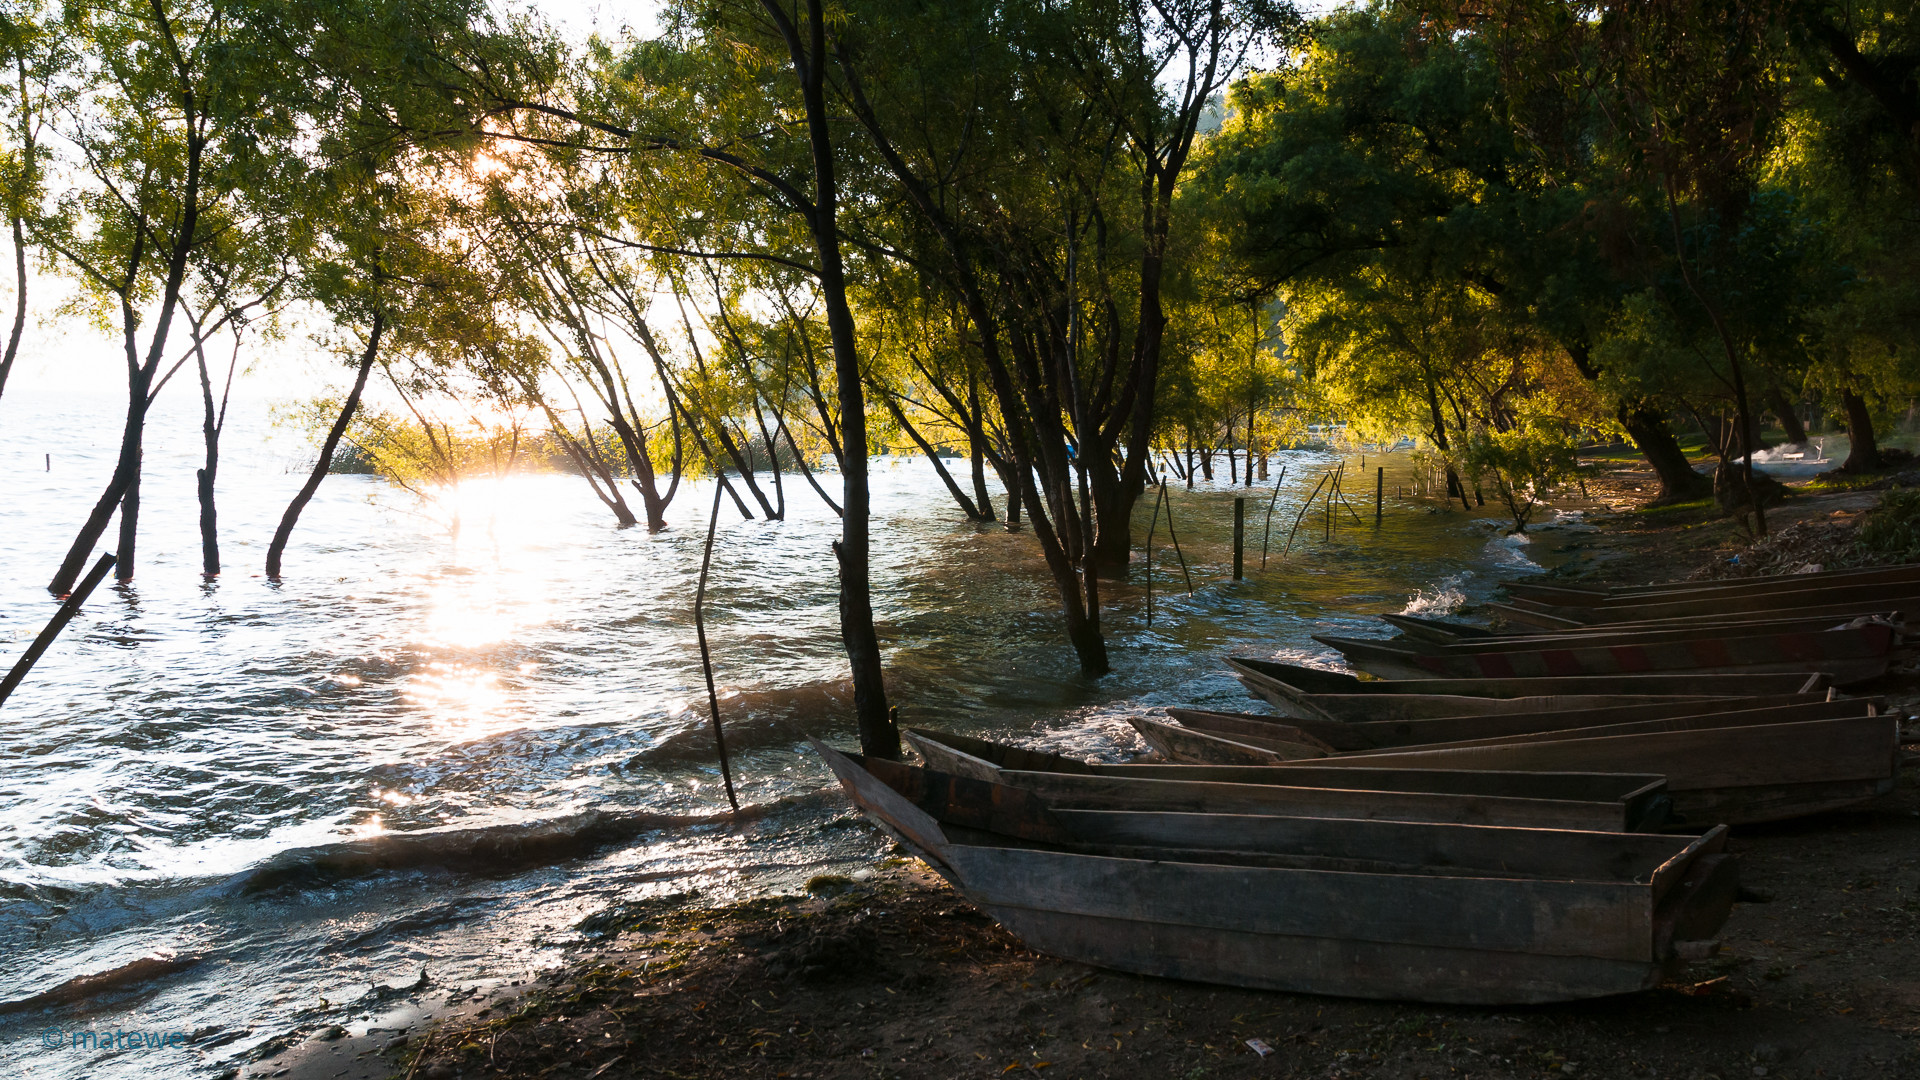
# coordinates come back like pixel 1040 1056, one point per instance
pixel 896 975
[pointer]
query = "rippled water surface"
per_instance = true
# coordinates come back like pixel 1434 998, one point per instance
pixel 182 770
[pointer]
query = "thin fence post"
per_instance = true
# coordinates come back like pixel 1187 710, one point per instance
pixel 1267 533
pixel 700 629
pixel 1379 491
pixel 1239 538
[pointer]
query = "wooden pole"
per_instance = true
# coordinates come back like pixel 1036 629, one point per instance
pixel 1239 538
pixel 1379 491
pixel 1267 534
pixel 700 629
pixel 1159 493
pixel 68 609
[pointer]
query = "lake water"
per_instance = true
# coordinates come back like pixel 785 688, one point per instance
pixel 243 771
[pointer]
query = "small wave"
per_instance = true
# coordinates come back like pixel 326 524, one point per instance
pixel 1510 551
pixel 753 719
pixel 491 848
pixel 82 987
pixel 1448 595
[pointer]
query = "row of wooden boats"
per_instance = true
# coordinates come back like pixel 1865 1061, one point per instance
pixel 1495 817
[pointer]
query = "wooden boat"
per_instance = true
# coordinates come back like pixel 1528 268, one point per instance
pixel 1442 631
pixel 1442 913
pixel 1433 633
pixel 1539 617
pixel 1780 604
pixel 1291 681
pixel 1580 596
pixel 1848 656
pixel 1735 775
pixel 1335 735
pixel 1607 802
pixel 1605 635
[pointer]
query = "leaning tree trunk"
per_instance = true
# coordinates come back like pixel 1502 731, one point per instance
pixel 1678 480
pixel 20 305
pixel 325 462
pixel 1864 453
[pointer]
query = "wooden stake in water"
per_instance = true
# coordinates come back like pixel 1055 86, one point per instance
pixel 1379 491
pixel 1239 538
pixel 700 629
pixel 1267 533
pixel 68 609
pixel 1159 493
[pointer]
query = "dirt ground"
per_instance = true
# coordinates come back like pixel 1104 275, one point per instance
pixel 897 976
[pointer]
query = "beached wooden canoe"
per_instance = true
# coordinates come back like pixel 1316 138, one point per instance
pixel 1441 913
pixel 1538 618
pixel 1782 605
pixel 1290 680
pixel 1586 596
pixel 1848 656
pixel 1608 802
pixel 1433 632
pixel 1606 635
pixel 1336 735
pixel 1735 775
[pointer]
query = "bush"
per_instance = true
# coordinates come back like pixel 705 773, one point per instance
pixel 1892 531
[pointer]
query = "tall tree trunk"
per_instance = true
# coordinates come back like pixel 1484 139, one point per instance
pixel 976 449
pixel 878 735
pixel 20 304
pixel 212 422
pixel 130 515
pixel 1678 480
pixel 1863 455
pixel 325 461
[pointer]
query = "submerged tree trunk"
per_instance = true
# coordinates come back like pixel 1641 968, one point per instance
pixel 130 514
pixel 325 461
pixel 213 421
pixel 1863 455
